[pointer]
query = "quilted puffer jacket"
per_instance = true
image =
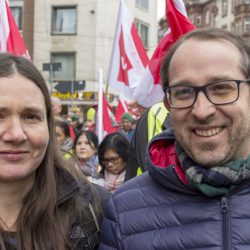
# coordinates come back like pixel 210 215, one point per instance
pixel 158 210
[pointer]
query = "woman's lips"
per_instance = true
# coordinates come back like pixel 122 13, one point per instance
pixel 13 155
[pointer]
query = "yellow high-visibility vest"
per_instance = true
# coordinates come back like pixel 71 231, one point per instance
pixel 156 116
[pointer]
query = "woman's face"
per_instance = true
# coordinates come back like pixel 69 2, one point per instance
pixel 84 150
pixel 113 162
pixel 60 136
pixel 24 134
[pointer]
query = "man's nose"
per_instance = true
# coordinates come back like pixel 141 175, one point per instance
pixel 13 131
pixel 202 107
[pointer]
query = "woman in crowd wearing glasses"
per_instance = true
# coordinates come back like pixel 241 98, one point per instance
pixel 114 156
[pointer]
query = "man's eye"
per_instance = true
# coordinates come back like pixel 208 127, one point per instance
pixel 223 88
pixel 182 92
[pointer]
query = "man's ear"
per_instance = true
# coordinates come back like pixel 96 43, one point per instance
pixel 166 103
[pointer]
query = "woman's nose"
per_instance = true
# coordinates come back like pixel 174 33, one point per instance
pixel 13 131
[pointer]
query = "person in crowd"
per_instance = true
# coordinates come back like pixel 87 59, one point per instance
pixel 90 119
pixel 153 121
pixel 126 125
pixel 63 137
pixel 115 155
pixel 42 205
pixel 85 149
pixel 196 192
pixel 56 106
pixel 76 124
pixel 56 111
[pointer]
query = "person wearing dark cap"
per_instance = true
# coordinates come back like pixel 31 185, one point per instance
pixel 126 126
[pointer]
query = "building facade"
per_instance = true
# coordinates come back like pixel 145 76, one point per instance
pixel 232 15
pixel 79 35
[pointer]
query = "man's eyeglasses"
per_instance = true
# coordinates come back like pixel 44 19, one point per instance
pixel 113 160
pixel 219 93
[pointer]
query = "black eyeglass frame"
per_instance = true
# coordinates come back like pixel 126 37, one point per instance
pixel 113 160
pixel 203 89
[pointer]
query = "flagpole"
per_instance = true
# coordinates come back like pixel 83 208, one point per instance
pixel 99 124
pixel 106 91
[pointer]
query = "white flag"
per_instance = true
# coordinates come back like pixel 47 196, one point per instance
pixel 129 57
pixel 149 90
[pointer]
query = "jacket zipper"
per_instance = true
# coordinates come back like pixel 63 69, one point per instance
pixel 225 222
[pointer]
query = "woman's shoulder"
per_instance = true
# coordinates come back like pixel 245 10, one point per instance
pixel 103 193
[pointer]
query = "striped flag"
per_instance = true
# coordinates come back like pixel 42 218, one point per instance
pixel 10 38
pixel 129 58
pixel 149 90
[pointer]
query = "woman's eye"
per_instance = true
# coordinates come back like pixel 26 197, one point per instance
pixel 32 117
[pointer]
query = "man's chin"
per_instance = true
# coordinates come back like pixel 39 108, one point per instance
pixel 207 158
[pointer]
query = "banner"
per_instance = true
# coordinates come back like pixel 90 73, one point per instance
pixel 149 90
pixel 10 38
pixel 129 57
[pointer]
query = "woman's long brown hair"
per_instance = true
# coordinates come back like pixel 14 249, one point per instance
pixel 41 224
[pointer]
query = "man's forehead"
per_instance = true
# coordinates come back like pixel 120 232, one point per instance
pixel 199 57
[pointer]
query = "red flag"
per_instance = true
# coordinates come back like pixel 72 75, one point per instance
pixel 129 57
pixel 149 90
pixel 106 120
pixel 121 108
pixel 10 38
pixel 103 120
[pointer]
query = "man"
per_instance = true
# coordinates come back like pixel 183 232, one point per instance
pixel 126 126
pixel 153 121
pixel 56 106
pixel 196 193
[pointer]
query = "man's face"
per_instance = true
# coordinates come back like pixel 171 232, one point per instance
pixel 56 106
pixel 211 134
pixel 126 124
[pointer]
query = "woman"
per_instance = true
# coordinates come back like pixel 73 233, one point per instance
pixel 85 149
pixel 114 155
pixel 42 206
pixel 63 137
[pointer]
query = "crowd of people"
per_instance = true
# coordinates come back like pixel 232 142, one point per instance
pixel 176 178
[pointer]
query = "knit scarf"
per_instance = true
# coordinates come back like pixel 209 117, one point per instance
pixel 217 180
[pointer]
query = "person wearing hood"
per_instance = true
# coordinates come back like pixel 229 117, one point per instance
pixel 196 192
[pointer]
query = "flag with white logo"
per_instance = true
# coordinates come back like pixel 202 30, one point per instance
pixel 149 90
pixel 129 57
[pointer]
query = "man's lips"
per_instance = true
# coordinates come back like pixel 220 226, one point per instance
pixel 208 132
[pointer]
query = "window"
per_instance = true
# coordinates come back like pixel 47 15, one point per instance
pixel 17 13
pixel 207 16
pixel 224 27
pixel 64 20
pixel 67 61
pixel 246 25
pixel 191 18
pixel 143 4
pixel 198 20
pixel 143 30
pixel 224 7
